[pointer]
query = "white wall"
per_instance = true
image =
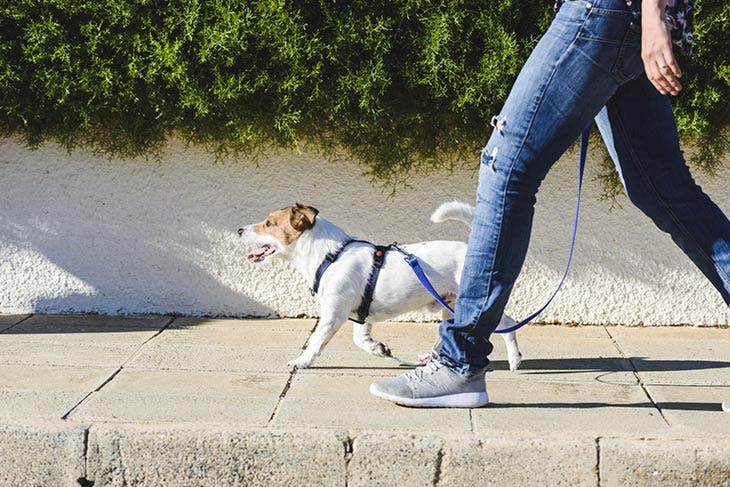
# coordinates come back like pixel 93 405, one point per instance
pixel 85 234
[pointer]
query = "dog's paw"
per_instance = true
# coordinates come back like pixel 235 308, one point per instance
pixel 380 350
pixel 298 363
pixel 514 362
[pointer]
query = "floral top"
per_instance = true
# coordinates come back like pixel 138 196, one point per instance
pixel 678 14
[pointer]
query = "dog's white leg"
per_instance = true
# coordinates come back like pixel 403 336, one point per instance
pixel 361 337
pixel 325 330
pixel 513 352
pixel 514 357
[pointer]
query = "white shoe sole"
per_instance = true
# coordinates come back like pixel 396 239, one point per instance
pixel 462 400
pixel 726 406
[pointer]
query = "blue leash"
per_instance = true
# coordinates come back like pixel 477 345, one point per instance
pixel 412 260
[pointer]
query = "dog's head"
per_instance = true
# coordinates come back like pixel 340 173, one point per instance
pixel 278 231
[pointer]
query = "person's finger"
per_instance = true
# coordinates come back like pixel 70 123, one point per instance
pixel 671 62
pixel 653 73
pixel 668 81
pixel 668 68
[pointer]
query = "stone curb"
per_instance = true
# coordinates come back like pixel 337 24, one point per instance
pixel 41 454
pixel 68 454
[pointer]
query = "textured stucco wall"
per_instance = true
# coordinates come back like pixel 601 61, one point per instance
pixel 84 234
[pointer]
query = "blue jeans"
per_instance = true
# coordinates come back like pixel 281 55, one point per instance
pixel 587 66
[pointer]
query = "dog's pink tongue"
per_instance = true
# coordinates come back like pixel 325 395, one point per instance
pixel 255 254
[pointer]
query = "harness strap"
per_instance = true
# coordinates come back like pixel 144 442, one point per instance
pixel 328 260
pixel 367 297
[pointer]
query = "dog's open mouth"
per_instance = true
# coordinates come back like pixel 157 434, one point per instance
pixel 261 253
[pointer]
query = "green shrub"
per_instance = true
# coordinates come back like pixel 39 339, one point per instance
pixel 402 85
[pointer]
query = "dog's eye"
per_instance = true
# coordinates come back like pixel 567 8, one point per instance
pixel 268 223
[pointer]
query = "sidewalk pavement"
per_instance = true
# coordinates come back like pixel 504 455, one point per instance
pixel 94 400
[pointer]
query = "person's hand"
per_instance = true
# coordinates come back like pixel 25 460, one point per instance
pixel 656 50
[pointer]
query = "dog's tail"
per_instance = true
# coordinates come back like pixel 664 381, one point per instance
pixel 453 210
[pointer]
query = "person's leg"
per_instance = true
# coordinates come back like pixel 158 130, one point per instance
pixel 572 73
pixel 588 51
pixel 640 132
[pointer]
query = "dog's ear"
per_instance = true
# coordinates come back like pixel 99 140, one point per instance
pixel 302 217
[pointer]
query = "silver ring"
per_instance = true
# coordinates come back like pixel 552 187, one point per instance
pixel 662 66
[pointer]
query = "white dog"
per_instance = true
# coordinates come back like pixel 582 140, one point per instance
pixel 340 269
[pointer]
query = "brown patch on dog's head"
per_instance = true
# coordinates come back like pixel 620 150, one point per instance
pixel 302 216
pixel 288 224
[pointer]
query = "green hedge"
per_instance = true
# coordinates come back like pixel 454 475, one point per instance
pixel 400 84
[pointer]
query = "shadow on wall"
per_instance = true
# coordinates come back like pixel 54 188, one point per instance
pixel 114 273
pixel 85 235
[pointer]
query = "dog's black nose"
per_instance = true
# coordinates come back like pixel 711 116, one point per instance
pixel 240 232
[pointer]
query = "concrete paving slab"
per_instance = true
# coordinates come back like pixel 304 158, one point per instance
pixel 69 324
pixel 162 354
pixel 570 408
pixel 242 327
pixel 143 455
pixel 317 400
pixel 677 355
pixel 667 463
pixel 9 320
pixel 45 392
pixel 185 396
pixel 225 345
pixel 67 340
pixel 694 410
pixel 42 454
pixel 66 352
pixel 565 354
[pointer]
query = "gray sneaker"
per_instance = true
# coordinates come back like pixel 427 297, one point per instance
pixel 434 385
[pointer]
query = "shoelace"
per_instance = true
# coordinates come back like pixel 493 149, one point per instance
pixel 419 373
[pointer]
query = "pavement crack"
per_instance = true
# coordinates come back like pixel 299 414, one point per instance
pixel 349 444
pixel 84 481
pixel 117 371
pixel 438 466
pixel 87 396
pixel 289 381
pixel 17 323
pixel 598 462
pixel 282 396
pixel 638 377
pixel 170 321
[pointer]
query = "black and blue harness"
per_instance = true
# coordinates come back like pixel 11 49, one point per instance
pixel 378 259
